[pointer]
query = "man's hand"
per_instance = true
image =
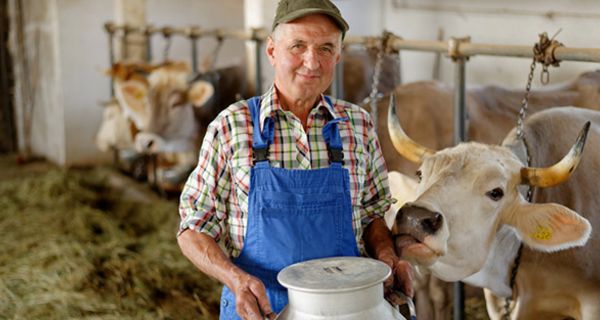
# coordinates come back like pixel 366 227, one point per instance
pixel 251 301
pixel 250 294
pixel 401 279
pixel 379 244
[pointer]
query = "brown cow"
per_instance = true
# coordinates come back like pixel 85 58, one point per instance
pixel 359 66
pixel 426 110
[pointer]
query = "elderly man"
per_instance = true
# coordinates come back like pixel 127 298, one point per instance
pixel 289 176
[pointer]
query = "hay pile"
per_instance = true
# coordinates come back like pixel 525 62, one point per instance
pixel 73 246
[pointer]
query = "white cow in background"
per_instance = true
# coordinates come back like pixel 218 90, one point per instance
pixel 469 217
pixel 159 103
pixel 116 131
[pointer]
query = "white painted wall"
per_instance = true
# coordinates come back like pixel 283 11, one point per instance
pixel 206 14
pixel 82 57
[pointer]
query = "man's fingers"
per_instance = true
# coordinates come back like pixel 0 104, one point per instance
pixel 248 309
pixel 404 275
pixel 260 293
pixel 394 298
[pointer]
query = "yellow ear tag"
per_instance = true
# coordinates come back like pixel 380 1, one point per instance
pixel 542 233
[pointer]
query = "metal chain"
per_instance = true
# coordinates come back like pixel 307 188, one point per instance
pixel 375 95
pixel 513 277
pixel 166 49
pixel 215 53
pixel 517 261
pixel 525 101
pixel 543 52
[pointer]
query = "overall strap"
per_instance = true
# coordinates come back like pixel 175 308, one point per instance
pixel 260 139
pixel 331 134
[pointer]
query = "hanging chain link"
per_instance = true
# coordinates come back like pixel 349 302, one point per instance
pixel 543 52
pixel 215 52
pixel 525 101
pixel 383 45
pixel 167 33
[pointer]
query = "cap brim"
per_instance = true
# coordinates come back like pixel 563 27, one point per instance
pixel 341 23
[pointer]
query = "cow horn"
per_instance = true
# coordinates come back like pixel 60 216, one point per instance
pixel 559 172
pixel 404 145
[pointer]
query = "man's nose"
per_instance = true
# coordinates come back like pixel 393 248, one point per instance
pixel 311 59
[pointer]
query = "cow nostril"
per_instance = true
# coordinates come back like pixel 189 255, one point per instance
pixel 432 224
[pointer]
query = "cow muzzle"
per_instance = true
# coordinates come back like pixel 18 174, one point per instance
pixel 412 232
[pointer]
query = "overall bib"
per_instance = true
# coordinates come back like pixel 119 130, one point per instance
pixel 293 215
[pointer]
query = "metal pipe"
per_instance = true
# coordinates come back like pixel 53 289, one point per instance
pixel 194 53
pixel 258 65
pixel 337 87
pixel 459 136
pixel 467 49
pixel 148 37
pixel 109 27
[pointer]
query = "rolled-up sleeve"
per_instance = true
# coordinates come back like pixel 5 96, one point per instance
pixel 202 202
pixel 376 198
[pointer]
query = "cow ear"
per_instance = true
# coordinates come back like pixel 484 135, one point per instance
pixel 200 92
pixel 132 96
pixel 550 227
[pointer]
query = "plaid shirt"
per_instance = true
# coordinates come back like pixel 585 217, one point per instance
pixel 214 200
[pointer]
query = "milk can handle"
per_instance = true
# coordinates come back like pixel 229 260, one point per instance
pixel 411 305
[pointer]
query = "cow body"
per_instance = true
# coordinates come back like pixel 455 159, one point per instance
pixel 426 110
pixel 476 219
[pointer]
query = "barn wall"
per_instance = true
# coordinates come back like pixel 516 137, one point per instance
pixel 35 52
pixel 83 55
pixel 206 14
pixel 514 22
pixel 59 68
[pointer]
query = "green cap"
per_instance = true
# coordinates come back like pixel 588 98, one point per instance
pixel 288 10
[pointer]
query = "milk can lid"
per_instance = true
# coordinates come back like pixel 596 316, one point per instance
pixel 334 274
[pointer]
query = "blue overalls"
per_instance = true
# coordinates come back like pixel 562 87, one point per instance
pixel 293 215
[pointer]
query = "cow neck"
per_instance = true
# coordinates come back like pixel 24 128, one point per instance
pixel 521 150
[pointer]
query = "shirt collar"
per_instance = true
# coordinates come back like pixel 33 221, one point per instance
pixel 269 104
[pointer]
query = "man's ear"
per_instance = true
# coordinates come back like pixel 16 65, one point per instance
pixel 270 50
pixel 550 227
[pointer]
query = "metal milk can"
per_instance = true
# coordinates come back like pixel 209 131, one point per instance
pixel 344 288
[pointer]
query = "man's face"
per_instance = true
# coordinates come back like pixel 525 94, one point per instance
pixel 304 53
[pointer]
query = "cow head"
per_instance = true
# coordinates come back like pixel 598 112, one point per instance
pixel 160 105
pixel 467 193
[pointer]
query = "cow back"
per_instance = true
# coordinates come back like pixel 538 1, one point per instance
pixel 550 134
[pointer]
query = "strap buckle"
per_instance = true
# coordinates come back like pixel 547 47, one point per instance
pixel 335 155
pixel 260 154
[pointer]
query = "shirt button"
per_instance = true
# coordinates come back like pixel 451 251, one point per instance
pixel 224 302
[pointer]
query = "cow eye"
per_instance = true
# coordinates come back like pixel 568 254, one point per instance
pixel 495 194
pixel 419 175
